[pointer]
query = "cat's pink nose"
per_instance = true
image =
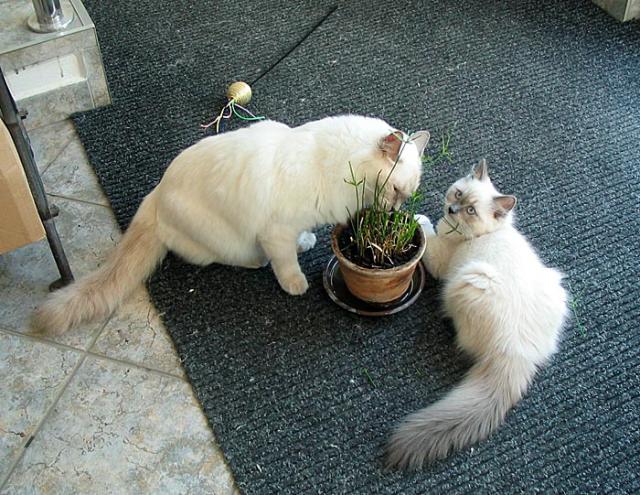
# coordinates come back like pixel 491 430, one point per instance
pixel 453 209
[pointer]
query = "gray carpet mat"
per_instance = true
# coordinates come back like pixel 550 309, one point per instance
pixel 168 67
pixel 301 394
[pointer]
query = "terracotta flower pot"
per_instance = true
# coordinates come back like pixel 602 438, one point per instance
pixel 376 285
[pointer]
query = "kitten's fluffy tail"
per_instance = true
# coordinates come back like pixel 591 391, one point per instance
pixel 99 293
pixel 468 414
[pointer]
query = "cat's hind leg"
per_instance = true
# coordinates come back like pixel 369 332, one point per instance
pixel 280 245
pixel 187 248
pixel 190 245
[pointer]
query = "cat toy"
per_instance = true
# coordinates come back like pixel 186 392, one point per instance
pixel 238 94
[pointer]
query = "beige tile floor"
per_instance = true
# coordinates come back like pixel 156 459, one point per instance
pixel 105 408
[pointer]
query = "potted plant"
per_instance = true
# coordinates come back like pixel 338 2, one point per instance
pixel 378 249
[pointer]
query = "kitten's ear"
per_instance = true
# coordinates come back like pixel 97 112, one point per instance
pixel 480 171
pixel 392 144
pixel 420 139
pixel 503 205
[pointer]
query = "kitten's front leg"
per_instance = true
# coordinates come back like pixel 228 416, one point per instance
pixel 435 253
pixel 280 244
pixel 426 224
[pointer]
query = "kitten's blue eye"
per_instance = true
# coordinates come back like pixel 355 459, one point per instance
pixel 471 210
pixel 458 194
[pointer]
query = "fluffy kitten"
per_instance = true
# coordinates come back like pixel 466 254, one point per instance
pixel 245 198
pixel 507 308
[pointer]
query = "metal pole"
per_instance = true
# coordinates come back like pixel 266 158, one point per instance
pixel 46 211
pixel 49 16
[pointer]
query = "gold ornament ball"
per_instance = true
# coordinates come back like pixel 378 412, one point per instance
pixel 240 92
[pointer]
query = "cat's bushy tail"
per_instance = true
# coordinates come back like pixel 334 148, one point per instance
pixel 466 415
pixel 99 293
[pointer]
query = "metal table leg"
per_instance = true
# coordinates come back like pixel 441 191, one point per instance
pixel 13 121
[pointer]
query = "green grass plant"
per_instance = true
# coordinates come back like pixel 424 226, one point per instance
pixel 382 236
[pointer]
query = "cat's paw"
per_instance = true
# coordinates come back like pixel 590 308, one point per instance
pixel 306 241
pixel 426 224
pixel 295 285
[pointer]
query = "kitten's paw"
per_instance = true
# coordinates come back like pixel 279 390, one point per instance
pixel 426 224
pixel 295 285
pixel 306 241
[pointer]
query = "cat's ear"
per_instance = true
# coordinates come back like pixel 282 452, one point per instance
pixel 420 139
pixel 392 144
pixel 503 205
pixel 481 171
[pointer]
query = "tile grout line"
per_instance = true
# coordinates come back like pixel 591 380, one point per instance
pixel 165 374
pixel 64 148
pixel 89 352
pixel 78 200
pixel 48 165
pixel 82 354
pixel 23 447
pixel 124 362
pixel 40 340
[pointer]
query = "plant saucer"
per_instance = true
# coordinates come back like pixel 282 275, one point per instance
pixel 338 292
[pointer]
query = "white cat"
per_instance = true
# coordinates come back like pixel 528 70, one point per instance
pixel 245 198
pixel 507 308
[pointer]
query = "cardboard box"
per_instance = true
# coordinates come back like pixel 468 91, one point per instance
pixel 19 220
